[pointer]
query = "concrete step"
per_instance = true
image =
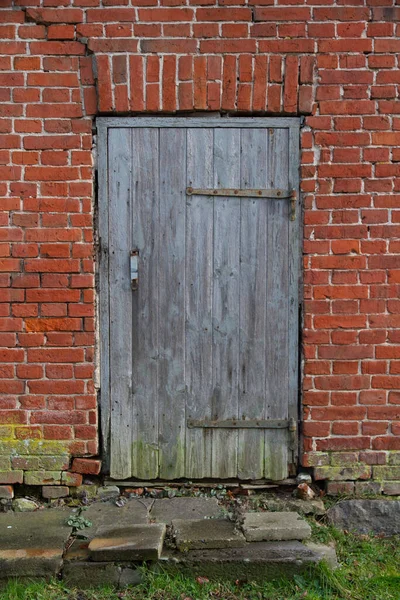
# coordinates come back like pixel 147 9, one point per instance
pixel 32 544
pixel 168 509
pixel 275 526
pixel 132 543
pixel 88 574
pixel 256 561
pixel 206 533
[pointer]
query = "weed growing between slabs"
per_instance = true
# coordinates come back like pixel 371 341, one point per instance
pixel 370 570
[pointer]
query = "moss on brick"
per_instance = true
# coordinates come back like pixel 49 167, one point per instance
pixel 26 463
pixel 394 458
pixel 386 472
pixel 6 432
pixel 5 463
pixel 33 447
pixel 55 463
pixel 42 477
pixel 358 471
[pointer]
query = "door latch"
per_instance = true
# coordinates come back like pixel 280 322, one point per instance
pixel 134 264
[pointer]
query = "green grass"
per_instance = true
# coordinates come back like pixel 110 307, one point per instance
pixel 370 570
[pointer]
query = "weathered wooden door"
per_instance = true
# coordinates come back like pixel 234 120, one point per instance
pixel 199 296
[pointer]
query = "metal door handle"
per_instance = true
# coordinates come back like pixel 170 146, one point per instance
pixel 134 265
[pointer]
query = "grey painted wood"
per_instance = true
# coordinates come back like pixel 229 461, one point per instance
pixel 224 401
pixel 252 302
pixel 103 308
pixel 216 312
pixel 277 356
pixel 145 238
pixel 295 284
pixel 214 121
pixel 171 303
pixel 199 280
pixel 120 240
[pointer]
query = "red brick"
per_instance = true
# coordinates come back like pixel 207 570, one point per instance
pixel 71 479
pixel 86 466
pixel 340 488
pixel 6 492
pixel 49 15
pixel 282 14
pixel 11 477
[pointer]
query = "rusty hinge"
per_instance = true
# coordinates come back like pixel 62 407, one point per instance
pixel 240 193
pixel 274 194
pixel 244 424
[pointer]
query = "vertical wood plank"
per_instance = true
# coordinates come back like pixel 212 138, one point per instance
pixel 199 269
pixel 103 308
pixel 277 360
pixel 226 301
pixel 253 268
pixel 120 239
pixel 295 292
pixel 145 238
pixel 171 303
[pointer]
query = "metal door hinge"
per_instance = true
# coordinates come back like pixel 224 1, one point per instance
pixel 243 424
pixel 134 266
pixel 274 194
pixel 277 194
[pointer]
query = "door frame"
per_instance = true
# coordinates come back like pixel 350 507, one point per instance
pixel 103 124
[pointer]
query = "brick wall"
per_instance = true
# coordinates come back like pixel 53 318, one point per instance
pixel 335 63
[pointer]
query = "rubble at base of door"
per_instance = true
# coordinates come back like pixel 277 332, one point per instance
pixel 52 486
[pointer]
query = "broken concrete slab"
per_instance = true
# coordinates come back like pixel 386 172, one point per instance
pixel 206 533
pixel 134 512
pixel 32 544
pixel 167 509
pixel 254 562
pixel 85 575
pixel 367 516
pixel 280 526
pixel 303 507
pixel 108 492
pixel 78 550
pixel 133 543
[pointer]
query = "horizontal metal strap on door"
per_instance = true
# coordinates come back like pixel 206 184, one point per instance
pixel 277 194
pixel 243 424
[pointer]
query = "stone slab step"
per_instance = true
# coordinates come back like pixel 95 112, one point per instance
pixel 107 514
pixel 85 574
pixel 206 533
pixel 275 526
pixel 132 543
pixel 256 561
pixel 32 544
pixel 166 510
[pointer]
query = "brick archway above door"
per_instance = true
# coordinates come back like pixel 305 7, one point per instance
pixel 261 73
pixel 245 83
